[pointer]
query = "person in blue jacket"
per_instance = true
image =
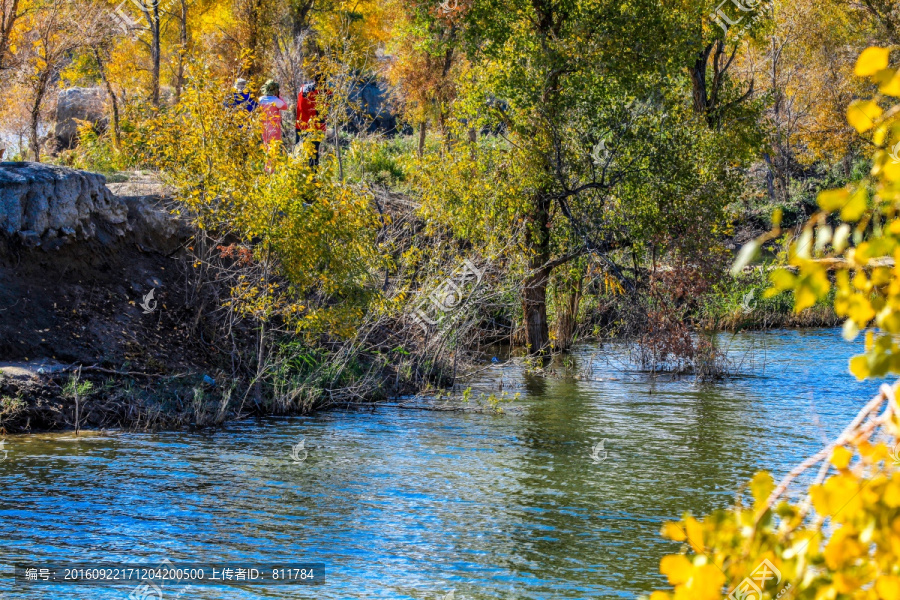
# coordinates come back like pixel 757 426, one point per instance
pixel 241 98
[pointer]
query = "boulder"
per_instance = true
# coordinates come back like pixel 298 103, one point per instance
pixel 45 203
pixel 374 111
pixel 86 104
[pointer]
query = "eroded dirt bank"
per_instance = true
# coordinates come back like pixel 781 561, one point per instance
pixel 95 296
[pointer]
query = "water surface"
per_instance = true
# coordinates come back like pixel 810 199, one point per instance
pixel 413 504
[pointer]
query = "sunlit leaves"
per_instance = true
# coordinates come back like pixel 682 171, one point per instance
pixel 863 114
pixel 832 200
pixel 871 61
pixel 308 242
pixel 848 545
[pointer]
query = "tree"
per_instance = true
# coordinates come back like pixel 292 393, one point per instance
pixel 427 62
pixel 50 33
pixel 843 539
pixel 153 18
pixel 600 149
pixel 9 12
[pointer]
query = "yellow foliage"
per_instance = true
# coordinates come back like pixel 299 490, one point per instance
pixel 863 114
pixel 871 61
pixel 302 234
pixel 845 541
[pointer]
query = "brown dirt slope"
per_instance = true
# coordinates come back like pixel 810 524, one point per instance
pixel 80 305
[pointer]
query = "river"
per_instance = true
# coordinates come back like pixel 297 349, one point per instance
pixel 418 504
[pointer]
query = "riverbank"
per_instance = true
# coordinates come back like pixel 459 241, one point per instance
pixel 117 319
pixel 97 326
pixel 114 313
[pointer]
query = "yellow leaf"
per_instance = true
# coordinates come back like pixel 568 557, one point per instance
pixel 872 60
pixel 707 583
pixel 804 297
pixel 841 456
pixel 891 494
pixel 783 279
pixel 838 497
pixel 887 586
pixel 862 114
pixel 694 531
pixel 841 549
pixel 891 87
pixel 859 366
pixel 857 205
pixel 761 486
pixel 860 310
pixel 891 171
pixel 832 200
pixel 673 531
pixel 676 567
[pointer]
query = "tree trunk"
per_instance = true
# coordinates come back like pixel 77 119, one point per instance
pixel 569 299
pixel 33 140
pixel 300 17
pixel 260 364
pixel 112 98
pixel 421 139
pixel 337 151
pixel 253 25
pixel 179 74
pixel 7 20
pixel 770 177
pixel 155 52
pixel 700 95
pixel 534 309
pixel 534 294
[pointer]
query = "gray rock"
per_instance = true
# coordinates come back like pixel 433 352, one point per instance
pixel 372 106
pixel 153 225
pixel 86 104
pixel 29 238
pixel 47 200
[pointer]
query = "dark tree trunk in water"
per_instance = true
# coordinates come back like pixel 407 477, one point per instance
pixel 534 294
pixel 534 308
pixel 569 299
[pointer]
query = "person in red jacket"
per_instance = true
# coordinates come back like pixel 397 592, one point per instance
pixel 309 121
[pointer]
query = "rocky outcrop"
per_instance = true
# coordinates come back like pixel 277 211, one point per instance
pixel 372 109
pixel 85 104
pixel 48 206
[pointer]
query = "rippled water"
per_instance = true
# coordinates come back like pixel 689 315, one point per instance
pixel 411 504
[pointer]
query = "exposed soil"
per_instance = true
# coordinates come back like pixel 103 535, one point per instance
pixel 119 311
